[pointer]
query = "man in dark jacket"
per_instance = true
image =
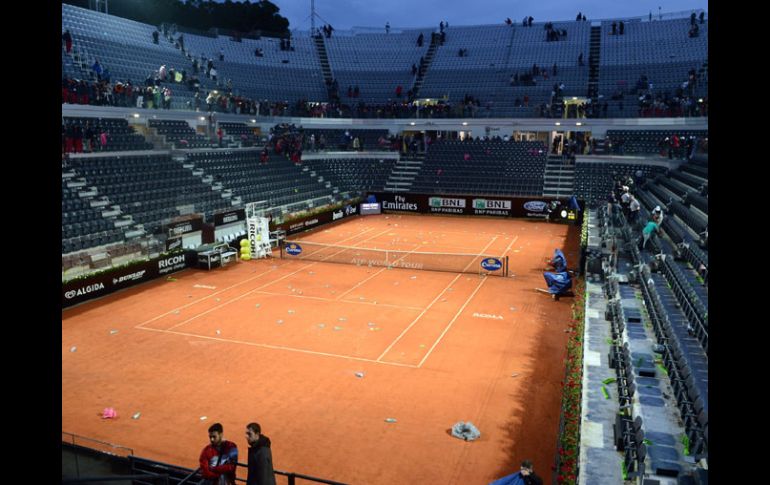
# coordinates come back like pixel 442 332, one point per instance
pixel 218 459
pixel 260 457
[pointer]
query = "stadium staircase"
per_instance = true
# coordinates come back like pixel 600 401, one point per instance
pixel 593 66
pixel 559 178
pixel 434 43
pixel 326 67
pixel 404 173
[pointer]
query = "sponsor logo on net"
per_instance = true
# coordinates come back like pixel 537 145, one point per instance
pixel 129 277
pixel 399 203
pixel 84 290
pixel 491 264
pixel 535 206
pixel 337 215
pixel 294 249
pixel 379 262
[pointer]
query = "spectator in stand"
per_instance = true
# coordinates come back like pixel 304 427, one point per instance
pixel 66 37
pixel 221 55
pixel 97 68
pixel 702 16
pixel 633 211
pixel 218 460
pixel 614 28
pixel 611 201
pixel 399 89
pixel 387 27
pixel 647 232
pixel 625 200
pixel 621 27
pixel 420 39
pixel 657 215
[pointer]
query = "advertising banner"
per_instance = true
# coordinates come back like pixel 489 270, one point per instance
pixel 469 205
pixel 105 283
pixel 229 217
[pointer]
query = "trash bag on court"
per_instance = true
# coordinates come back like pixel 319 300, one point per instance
pixel 465 431
pixel 558 283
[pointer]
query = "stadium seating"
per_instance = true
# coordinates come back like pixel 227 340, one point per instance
pixel 278 182
pixel 503 168
pixel 353 175
pixel 120 136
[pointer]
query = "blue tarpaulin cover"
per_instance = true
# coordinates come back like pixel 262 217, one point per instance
pixel 558 261
pixel 558 283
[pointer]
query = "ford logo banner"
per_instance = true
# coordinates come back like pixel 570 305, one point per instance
pixel 535 206
pixel 491 264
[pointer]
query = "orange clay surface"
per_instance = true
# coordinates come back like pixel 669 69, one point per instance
pixel 280 342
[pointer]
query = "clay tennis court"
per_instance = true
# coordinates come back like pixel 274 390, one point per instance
pixel 280 342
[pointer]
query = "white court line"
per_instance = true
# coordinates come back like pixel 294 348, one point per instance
pixel 201 299
pixel 279 347
pixel 509 246
pixel 450 323
pixel 432 303
pixel 216 307
pixel 228 288
pixel 345 301
pixel 481 253
pixel 375 274
pixel 418 317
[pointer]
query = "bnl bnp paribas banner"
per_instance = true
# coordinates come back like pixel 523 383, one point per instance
pixel 532 207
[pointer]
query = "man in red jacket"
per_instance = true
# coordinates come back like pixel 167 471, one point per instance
pixel 218 460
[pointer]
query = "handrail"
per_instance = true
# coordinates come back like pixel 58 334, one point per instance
pixel 115 479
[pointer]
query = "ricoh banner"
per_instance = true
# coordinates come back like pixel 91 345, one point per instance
pixel 75 292
pixel 469 205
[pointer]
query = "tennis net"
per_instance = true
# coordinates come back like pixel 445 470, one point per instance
pixel 429 261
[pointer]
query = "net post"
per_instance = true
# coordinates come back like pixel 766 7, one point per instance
pixel 280 245
pixel 506 266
